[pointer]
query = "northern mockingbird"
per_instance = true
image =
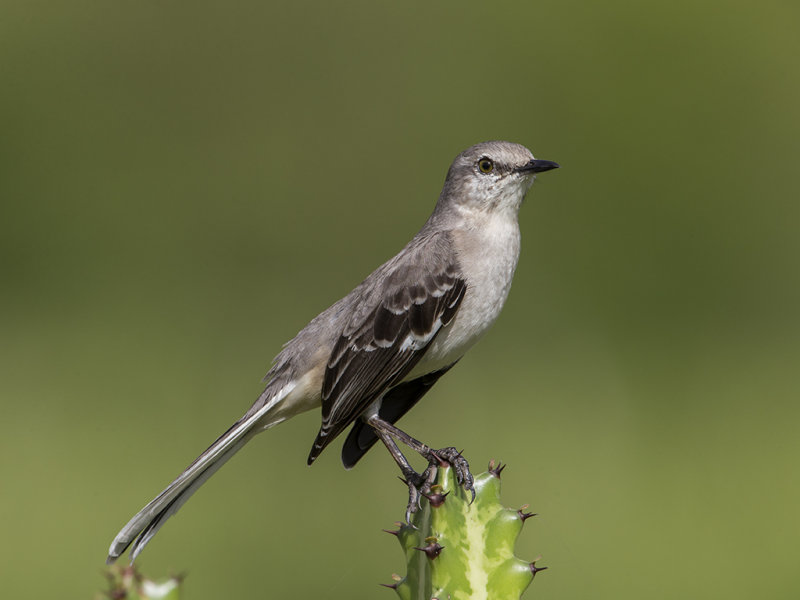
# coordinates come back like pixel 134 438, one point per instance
pixel 371 356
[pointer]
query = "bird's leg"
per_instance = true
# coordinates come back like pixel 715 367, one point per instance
pixel 416 483
pixel 436 458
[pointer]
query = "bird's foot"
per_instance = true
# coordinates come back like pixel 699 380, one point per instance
pixel 419 484
pixel 451 457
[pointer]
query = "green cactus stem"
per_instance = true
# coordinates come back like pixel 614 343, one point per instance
pixel 128 584
pixel 461 551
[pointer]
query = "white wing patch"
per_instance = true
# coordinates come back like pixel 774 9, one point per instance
pixel 415 342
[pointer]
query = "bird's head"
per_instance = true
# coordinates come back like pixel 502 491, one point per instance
pixel 492 176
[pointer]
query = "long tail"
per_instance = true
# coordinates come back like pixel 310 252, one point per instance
pixel 146 523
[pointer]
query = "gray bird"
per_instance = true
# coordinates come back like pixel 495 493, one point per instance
pixel 372 355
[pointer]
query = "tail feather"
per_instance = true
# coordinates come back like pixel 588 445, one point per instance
pixel 146 523
pixel 170 509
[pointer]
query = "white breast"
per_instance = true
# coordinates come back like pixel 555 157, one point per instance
pixel 488 254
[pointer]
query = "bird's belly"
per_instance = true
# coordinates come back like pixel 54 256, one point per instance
pixel 492 264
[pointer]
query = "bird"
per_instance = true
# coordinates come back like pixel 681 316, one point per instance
pixel 371 356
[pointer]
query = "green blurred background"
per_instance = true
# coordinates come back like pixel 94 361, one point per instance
pixel 184 185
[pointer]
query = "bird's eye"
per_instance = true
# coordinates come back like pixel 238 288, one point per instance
pixel 485 165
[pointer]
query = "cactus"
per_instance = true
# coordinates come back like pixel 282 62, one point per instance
pixel 128 584
pixel 457 550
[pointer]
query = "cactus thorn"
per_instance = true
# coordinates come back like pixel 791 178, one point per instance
pixel 392 531
pixel 397 581
pixel 432 550
pixel 436 499
pixel 496 469
pixel 441 462
pixel 535 569
pixel 525 515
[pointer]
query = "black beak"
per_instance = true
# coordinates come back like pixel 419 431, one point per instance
pixel 537 165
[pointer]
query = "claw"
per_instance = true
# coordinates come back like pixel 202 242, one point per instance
pixel 420 484
pixel 429 476
pixel 455 459
pixel 413 502
pixel 417 486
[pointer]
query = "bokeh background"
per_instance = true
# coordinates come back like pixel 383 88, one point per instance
pixel 184 185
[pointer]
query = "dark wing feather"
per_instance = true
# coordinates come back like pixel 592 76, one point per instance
pixel 386 338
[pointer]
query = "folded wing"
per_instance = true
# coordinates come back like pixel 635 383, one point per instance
pixel 389 334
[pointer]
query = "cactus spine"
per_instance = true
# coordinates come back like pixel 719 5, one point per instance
pixel 461 551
